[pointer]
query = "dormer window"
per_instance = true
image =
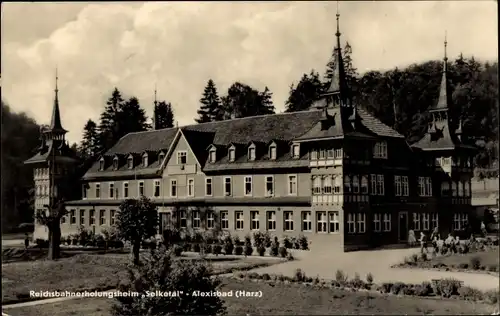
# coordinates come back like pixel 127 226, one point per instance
pixel 295 151
pixel 130 162
pixel 161 156
pixel 251 153
pixel 211 156
pixel 145 160
pixel 380 150
pixel 115 163
pixel 272 152
pixel 232 154
pixel 101 164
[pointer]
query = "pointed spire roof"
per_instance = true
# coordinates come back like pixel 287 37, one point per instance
pixel 55 122
pixel 155 119
pixel 444 100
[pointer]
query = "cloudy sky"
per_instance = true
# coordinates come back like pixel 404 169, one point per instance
pixel 179 46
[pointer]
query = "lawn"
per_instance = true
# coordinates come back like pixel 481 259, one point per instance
pixel 287 299
pixel 88 272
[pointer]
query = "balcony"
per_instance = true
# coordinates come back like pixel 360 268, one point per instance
pixel 325 163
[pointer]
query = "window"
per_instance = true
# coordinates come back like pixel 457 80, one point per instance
pixel 460 221
pixel 292 185
pixel 416 221
pixel 239 220
pixel 364 184
pixel 72 218
pixel 454 188
pixel 428 186
pixel 182 219
pixel 232 155
pixel 112 217
pixel 98 190
pixel 92 217
pixel 361 221
pixel 181 157
pixel 208 186
pixel 464 221
pixel 196 219
pixel 101 165
pixel 377 222
pixel 115 163
pixel 463 188
pixel 313 154
pixel 351 224
pixel 421 186
pixel 467 189
pixel 224 220
pixel 272 152
pixel 321 222
pixel 251 153
pixel 271 220
pixel 254 220
pixel 212 156
pixel 111 190
pixel 173 188
pixel 380 150
pixel 425 221
pixel 434 220
pixel 82 217
pixel 248 185
pixel 227 186
pixel 397 186
pixel 306 221
pixel 317 185
pixel 102 217
pixel 288 219
pixel 330 153
pixel 338 153
pixel 125 189
pixel 337 188
pixel 387 222
pixel 63 219
pixel 347 184
pixel 161 156
pixel 84 190
pixel 296 151
pixel 157 188
pixel 405 186
pixel 327 185
pixel 130 162
pixel 145 161
pixel 190 188
pixel 269 185
pixel 373 181
pixel 334 222
pixel 141 188
pixel 380 184
pixel 355 184
pixel 210 220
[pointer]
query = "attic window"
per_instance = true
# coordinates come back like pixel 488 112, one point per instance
pixel 272 152
pixel 251 153
pixel 380 150
pixel 232 155
pixel 101 164
pixel 130 162
pixel 115 163
pixel 161 156
pixel 212 156
pixel 145 160
pixel 295 151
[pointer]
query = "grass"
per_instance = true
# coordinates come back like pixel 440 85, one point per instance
pixel 286 299
pixel 85 272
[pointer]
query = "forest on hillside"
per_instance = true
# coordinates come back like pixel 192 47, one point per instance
pixel 398 97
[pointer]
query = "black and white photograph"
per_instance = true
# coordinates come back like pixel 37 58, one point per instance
pixel 250 158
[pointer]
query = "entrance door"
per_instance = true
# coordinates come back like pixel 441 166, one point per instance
pixel 403 226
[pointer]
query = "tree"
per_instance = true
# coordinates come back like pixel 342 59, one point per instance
pixel 267 106
pixel 109 125
pixel 210 109
pixel 52 219
pixel 136 221
pixel 164 115
pixel 160 272
pixel 131 118
pixel 90 143
pixel 305 93
pixel 244 101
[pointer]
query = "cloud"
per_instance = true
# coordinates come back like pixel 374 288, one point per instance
pixel 179 46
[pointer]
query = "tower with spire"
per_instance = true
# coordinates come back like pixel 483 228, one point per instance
pixel 52 162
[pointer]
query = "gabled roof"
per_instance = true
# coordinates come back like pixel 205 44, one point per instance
pixel 53 151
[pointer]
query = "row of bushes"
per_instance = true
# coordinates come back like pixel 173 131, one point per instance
pixel 445 288
pixel 107 239
pixel 423 261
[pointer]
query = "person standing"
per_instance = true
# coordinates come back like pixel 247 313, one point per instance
pixel 423 242
pixel 435 237
pixel 483 229
pixel 26 241
pixel 411 238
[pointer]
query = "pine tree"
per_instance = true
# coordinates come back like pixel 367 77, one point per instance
pixel 164 115
pixel 210 109
pixel 132 118
pixel 90 143
pixel 266 105
pixel 303 96
pixel 108 125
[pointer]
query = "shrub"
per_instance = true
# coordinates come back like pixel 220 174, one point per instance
pixel 240 275
pixel 261 250
pixel 475 263
pixel 237 241
pixel 397 287
pixel 295 243
pixel 447 287
pixel 282 252
pixel 161 273
pixel 493 268
pixel 463 266
pixel 186 247
pixel 207 248
pixel 275 245
pixel 316 280
pixel 492 296
pixel 444 250
pixel 287 243
pixel 424 257
pixel 341 277
pixel 408 290
pixel 41 243
pixel 258 239
pixel 469 293
pixel 83 235
pixel 281 278
pixel 303 242
pixel 369 278
pixel 253 275
pixel 177 250
pixel 266 277
pixel 228 246
pixel 300 276
pixel 414 258
pixel 308 279
pixel 356 282
pixel 216 249
pixel 386 287
pixel 289 257
pixel 238 250
pixel 267 239
pixel 100 242
pixel 196 247
pixel 424 289
pixel 248 246
pixel 464 248
pixel 171 236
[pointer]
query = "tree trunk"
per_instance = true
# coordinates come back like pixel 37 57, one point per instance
pixel 54 241
pixel 135 251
